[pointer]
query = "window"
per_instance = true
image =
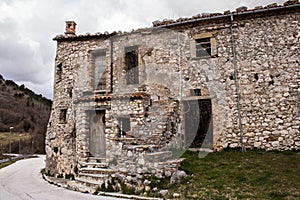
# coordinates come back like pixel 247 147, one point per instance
pixel 63 116
pixel 99 58
pixel 124 125
pixel 131 65
pixel 58 72
pixel 203 47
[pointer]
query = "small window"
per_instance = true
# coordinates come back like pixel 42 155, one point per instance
pixel 203 47
pixel 124 125
pixel 58 72
pixel 131 65
pixel 195 92
pixel 63 116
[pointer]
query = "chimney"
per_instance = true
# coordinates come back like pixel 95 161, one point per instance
pixel 70 28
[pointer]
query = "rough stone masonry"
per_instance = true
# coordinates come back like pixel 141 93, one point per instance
pixel 123 101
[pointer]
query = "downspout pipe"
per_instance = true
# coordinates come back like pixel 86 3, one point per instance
pixel 236 84
pixel 111 64
pixel 179 125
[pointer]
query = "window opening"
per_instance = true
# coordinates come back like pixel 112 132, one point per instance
pixel 195 92
pixel 124 125
pixel 203 47
pixel 59 72
pixel 63 116
pixel 131 65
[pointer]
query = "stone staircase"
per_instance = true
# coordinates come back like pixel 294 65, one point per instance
pixel 149 140
pixel 94 173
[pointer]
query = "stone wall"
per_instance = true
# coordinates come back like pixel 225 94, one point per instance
pixel 61 137
pixel 267 51
pixel 267 60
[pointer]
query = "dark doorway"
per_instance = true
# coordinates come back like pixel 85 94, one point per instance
pixel 198 123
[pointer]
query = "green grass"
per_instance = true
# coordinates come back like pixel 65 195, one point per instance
pixel 14 137
pixel 241 175
pixel 2 165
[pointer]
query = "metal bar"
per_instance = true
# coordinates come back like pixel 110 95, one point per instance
pixel 111 64
pixel 179 127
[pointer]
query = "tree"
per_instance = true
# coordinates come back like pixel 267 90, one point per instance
pixel 26 126
pixel 22 87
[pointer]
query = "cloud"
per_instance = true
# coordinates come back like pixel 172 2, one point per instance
pixel 27 27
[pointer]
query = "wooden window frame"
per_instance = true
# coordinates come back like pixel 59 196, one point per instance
pixel 205 43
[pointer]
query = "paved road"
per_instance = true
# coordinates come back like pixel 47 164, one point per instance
pixel 23 180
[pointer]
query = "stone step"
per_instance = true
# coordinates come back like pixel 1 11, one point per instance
pixel 87 182
pixel 93 176
pixel 96 170
pixel 95 165
pixel 97 159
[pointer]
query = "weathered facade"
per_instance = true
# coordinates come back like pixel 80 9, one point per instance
pixel 123 100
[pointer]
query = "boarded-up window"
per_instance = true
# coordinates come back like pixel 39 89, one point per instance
pixel 99 58
pixel 131 65
pixel 203 47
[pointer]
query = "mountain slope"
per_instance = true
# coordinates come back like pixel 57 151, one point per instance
pixel 27 112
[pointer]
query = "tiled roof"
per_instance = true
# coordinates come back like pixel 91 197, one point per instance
pixel 170 22
pixel 238 11
pixel 82 37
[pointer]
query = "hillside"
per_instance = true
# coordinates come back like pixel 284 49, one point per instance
pixel 27 112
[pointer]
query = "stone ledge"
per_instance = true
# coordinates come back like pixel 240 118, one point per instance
pixel 140 147
pixel 172 162
pixel 55 181
pixel 128 196
pixel 76 186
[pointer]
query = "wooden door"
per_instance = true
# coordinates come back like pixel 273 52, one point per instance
pixel 97 134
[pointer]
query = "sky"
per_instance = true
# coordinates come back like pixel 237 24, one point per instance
pixel 27 27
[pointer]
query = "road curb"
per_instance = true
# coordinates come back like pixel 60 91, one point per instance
pixel 110 194
pixel 53 182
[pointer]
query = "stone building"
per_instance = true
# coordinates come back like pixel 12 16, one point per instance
pixel 123 101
